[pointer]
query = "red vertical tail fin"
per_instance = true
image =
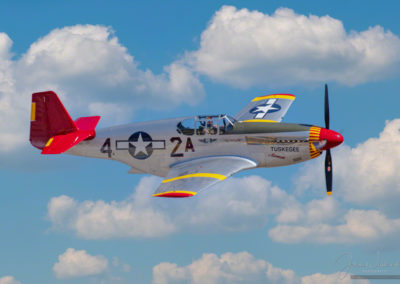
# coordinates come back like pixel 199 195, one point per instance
pixel 52 129
pixel 48 118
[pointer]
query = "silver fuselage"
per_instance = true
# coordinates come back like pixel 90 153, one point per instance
pixel 268 144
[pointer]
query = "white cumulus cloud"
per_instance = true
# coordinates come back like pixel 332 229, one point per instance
pixel 312 212
pixel 237 204
pixel 323 221
pixel 334 278
pixel 78 263
pixel 246 48
pixel 92 72
pixel 248 202
pixel 8 279
pixel 228 268
pixel 239 267
pixel 99 219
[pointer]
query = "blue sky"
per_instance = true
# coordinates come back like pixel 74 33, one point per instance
pixel 74 220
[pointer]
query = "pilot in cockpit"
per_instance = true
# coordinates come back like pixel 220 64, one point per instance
pixel 211 128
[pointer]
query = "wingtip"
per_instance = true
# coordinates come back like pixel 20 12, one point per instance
pixel 275 96
pixel 175 194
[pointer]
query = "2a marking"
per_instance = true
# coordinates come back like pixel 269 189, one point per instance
pixel 178 141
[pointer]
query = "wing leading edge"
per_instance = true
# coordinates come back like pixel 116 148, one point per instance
pixel 187 178
pixel 270 108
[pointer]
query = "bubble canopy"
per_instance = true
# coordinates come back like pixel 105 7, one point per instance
pixel 206 125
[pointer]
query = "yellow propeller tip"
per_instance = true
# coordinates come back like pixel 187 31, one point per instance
pixel 329 192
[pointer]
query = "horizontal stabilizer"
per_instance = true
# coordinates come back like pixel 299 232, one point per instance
pixel 60 143
pixel 87 123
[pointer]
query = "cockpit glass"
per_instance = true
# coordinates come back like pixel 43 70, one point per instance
pixel 207 125
pixel 225 124
pixel 186 127
pixel 231 119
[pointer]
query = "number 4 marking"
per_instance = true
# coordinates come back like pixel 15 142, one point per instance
pixel 106 148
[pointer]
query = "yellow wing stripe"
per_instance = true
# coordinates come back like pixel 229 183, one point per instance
pixel 49 142
pixel 259 120
pixel 33 112
pixel 175 191
pixel 208 175
pixel 287 96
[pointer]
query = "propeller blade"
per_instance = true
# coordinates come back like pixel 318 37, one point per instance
pixel 326 107
pixel 328 172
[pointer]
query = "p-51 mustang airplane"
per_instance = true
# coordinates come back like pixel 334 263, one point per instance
pixel 192 153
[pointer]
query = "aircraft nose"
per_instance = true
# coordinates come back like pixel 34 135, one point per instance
pixel 332 138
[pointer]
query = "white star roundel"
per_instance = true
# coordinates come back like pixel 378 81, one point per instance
pixel 261 110
pixel 140 145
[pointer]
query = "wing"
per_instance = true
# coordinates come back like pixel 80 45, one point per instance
pixel 266 108
pixel 188 178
